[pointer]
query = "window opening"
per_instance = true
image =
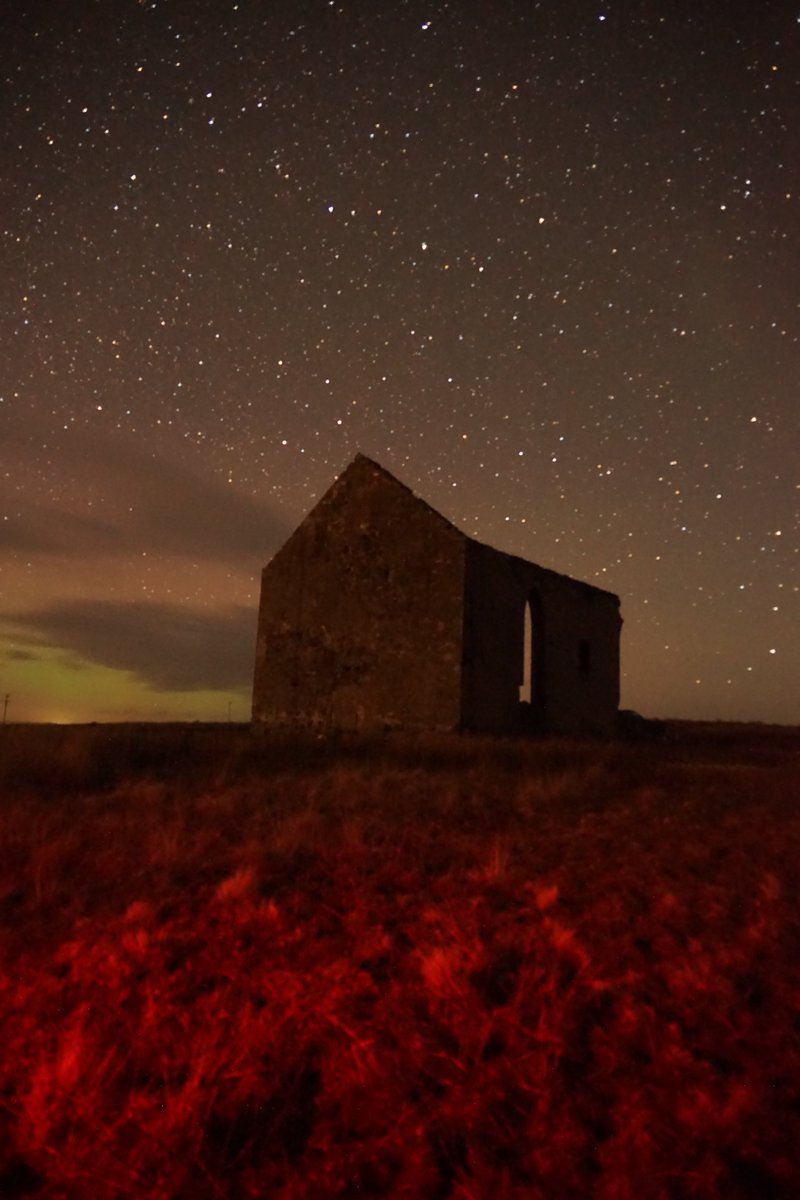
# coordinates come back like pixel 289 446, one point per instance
pixel 527 656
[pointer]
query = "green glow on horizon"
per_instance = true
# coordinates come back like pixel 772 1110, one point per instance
pixel 58 687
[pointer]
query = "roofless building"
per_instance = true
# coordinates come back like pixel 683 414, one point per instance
pixel 377 613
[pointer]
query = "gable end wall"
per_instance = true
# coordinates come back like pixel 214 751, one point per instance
pixel 361 613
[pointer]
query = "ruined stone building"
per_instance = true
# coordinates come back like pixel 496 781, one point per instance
pixel 377 613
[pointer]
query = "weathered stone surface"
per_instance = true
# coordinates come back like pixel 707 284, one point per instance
pixel 361 613
pixel 574 656
pixel 378 613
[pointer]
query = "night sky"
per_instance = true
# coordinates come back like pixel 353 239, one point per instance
pixel 540 260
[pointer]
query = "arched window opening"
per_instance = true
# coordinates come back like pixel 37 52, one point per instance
pixel 527 656
pixel 532 687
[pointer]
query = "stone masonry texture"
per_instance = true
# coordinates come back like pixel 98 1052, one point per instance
pixel 378 614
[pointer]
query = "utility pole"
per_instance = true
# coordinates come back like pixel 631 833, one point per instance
pixel 5 705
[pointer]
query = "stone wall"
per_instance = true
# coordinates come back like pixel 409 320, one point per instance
pixel 378 614
pixel 361 613
pixel 576 630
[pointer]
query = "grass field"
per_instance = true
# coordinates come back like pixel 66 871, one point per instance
pixel 417 967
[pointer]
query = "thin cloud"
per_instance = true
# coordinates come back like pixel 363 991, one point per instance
pixel 40 530
pixel 144 502
pixel 15 655
pixel 168 646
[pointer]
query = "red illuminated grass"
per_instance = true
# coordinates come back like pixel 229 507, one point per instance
pixel 426 969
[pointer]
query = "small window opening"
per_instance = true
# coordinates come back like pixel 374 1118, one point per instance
pixel 584 656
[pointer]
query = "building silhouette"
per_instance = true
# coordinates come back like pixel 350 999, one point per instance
pixel 377 613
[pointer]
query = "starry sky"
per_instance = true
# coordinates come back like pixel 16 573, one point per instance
pixel 540 259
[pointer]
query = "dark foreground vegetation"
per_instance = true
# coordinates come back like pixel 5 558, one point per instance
pixel 421 968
